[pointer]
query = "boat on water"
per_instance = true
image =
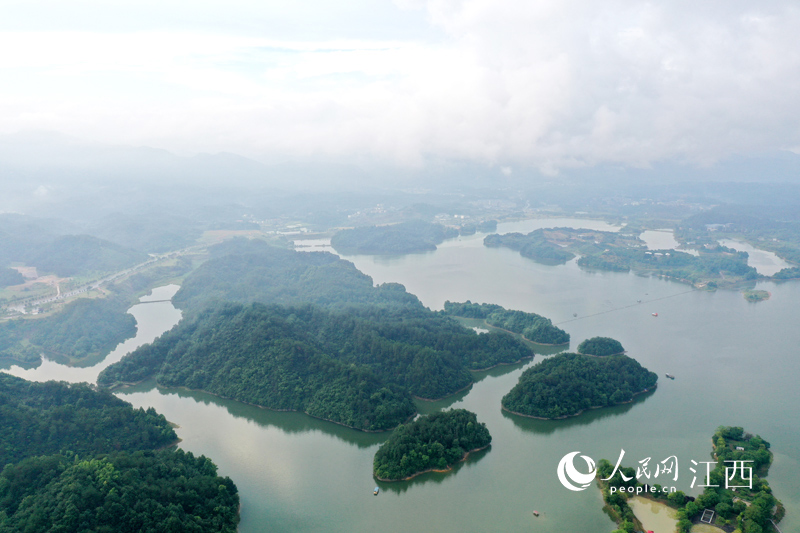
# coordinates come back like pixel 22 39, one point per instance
pixel 670 376
pixel 536 513
pixel 655 314
pixel 376 491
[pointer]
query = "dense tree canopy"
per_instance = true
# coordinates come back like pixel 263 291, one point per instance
pixel 347 367
pixel 530 325
pixel 600 346
pixel 403 238
pixel 436 441
pixel 84 328
pixel 77 459
pixel 138 492
pixel 566 384
pixel 54 417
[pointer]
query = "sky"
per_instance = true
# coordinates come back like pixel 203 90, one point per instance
pixel 549 84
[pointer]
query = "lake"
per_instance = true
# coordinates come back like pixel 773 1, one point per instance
pixel 735 363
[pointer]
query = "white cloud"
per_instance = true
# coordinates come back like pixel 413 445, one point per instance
pixel 549 83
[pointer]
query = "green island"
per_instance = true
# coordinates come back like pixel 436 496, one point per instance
pixel 358 369
pixel 309 332
pixel 750 508
pixel 567 384
pixel 76 459
pixel 600 346
pixel 714 265
pixel 430 443
pixel 756 295
pixel 531 326
pixel 395 239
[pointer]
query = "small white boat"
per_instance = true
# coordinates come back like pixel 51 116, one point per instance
pixel 655 314
pixel 376 491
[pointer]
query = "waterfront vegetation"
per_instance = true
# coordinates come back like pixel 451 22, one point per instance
pixel 359 369
pixel 534 246
pixel 533 327
pixel 600 346
pixel 567 384
pixel 76 459
pixel 748 509
pixel 433 442
pixel 623 252
pixel 775 229
pixel 84 328
pixel 122 491
pixel 787 273
pixel 395 239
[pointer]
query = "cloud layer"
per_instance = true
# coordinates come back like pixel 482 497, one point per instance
pixel 547 83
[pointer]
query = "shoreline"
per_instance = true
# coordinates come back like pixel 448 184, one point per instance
pixel 502 364
pixel 462 389
pixel 635 394
pixel 126 384
pixel 512 333
pixel 448 469
pixel 623 352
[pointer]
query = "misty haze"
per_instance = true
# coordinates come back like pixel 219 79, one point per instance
pixel 394 265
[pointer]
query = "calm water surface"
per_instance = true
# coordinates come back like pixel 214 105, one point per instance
pixel 735 363
pixel 766 263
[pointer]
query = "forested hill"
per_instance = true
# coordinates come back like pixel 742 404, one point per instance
pixel 76 459
pixel 394 239
pixel 247 271
pixel 600 346
pixel 344 367
pixel 142 491
pixel 51 417
pixel 533 327
pixel 568 383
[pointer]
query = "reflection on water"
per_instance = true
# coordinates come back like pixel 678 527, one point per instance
pixel 399 487
pixel 290 422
